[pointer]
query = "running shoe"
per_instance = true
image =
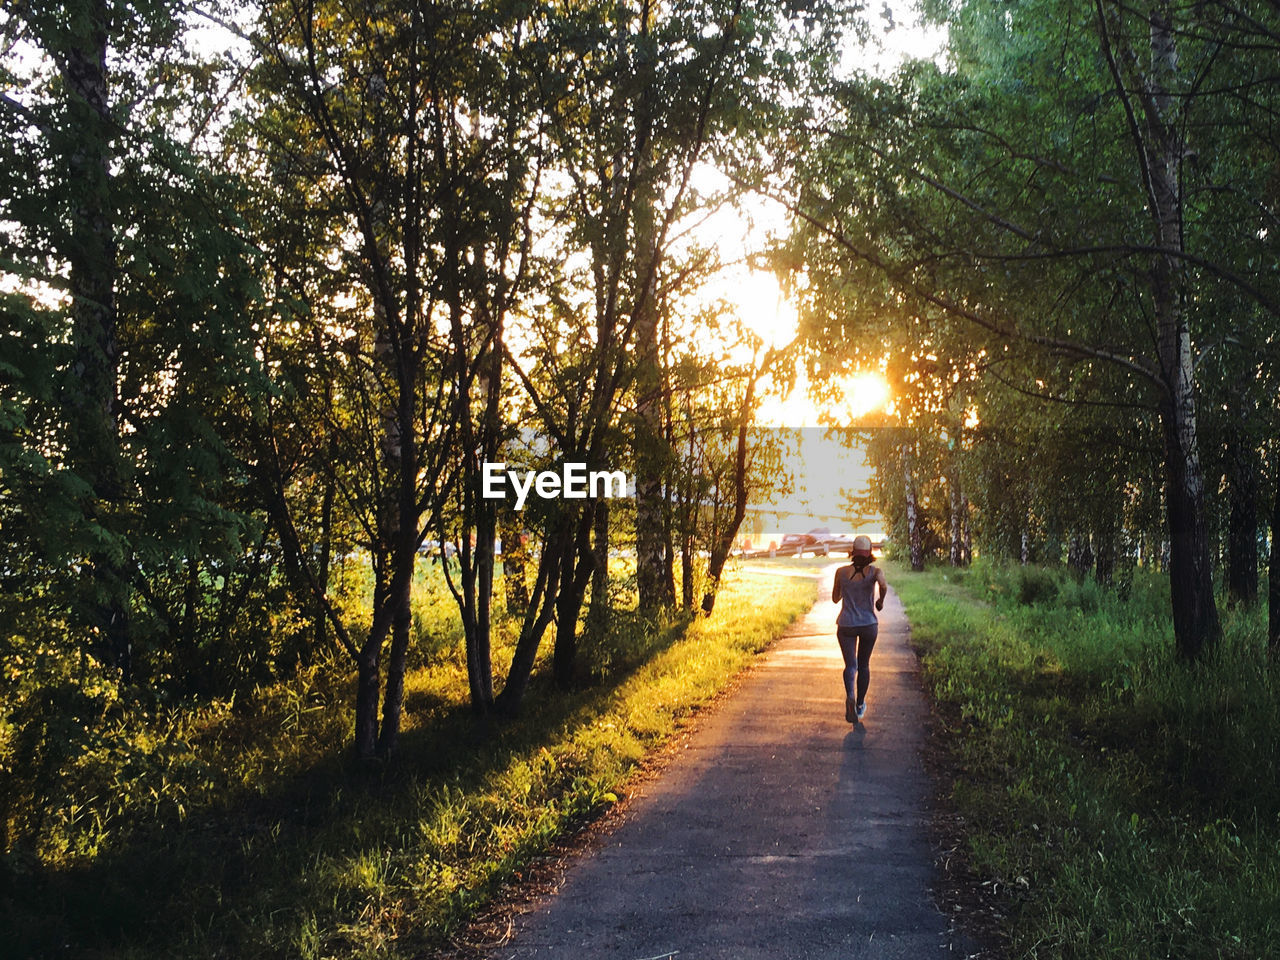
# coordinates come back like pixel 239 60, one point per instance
pixel 861 710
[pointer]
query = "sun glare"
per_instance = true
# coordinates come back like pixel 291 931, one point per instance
pixel 764 309
pixel 739 232
pixel 856 396
pixel 866 393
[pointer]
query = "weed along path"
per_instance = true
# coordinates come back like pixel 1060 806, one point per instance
pixel 779 832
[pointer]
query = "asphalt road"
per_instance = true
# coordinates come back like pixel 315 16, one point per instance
pixel 780 832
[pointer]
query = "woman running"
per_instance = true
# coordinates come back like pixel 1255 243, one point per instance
pixel 856 627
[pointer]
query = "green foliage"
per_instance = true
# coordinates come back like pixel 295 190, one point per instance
pixel 1036 585
pixel 1112 795
pixel 987 230
pixel 118 492
pixel 249 820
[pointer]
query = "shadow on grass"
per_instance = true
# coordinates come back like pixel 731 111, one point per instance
pixel 240 878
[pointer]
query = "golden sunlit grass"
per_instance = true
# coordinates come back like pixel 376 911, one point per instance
pixel 251 834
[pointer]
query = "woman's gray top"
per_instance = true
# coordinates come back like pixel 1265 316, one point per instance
pixel 857 597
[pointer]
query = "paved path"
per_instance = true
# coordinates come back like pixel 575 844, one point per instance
pixel 780 832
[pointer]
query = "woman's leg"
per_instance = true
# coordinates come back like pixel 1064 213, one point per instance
pixel 866 643
pixel 848 637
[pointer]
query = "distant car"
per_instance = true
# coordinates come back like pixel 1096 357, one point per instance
pixel 798 544
pixel 836 543
pixel 818 543
pixel 431 548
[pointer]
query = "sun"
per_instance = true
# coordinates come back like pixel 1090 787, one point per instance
pixel 848 398
pixel 770 319
pixel 865 393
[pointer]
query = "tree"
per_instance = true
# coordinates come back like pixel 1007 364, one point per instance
pixel 656 91
pixel 116 460
pixel 998 196
pixel 124 340
pixel 720 458
pixel 393 143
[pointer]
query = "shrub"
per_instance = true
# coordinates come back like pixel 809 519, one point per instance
pixel 1124 799
pixel 1036 585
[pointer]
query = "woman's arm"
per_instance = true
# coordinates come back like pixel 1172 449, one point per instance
pixel 835 587
pixel 884 588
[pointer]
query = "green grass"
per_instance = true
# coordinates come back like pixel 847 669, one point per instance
pixel 245 830
pixel 1125 805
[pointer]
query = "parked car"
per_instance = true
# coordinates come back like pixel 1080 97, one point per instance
pixel 837 543
pixel 819 542
pixel 798 544
pixel 431 548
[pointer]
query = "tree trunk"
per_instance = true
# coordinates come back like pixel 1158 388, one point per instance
pixel 966 531
pixel 575 574
pixel 1195 613
pixel 476 570
pixel 724 544
pixel 478 567
pixel 401 449
pixel 477 629
pixel 486 525
pixel 537 616
pixel 1242 525
pixel 398 517
pixel 1104 566
pixel 690 507
pixel 686 572
pixel 368 682
pixel 655 585
pixel 600 610
pixel 393 700
pixel 957 524
pixel 914 539
pixel 396 549
pixel 1273 575
pixel 653 570
pixel 91 251
pixel 398 541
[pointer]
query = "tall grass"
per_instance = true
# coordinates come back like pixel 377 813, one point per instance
pixel 245 830
pixel 1127 804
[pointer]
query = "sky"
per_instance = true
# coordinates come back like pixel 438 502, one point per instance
pixel 741 231
pixel 828 475
pixel 826 472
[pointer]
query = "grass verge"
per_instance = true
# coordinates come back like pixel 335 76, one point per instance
pixel 245 830
pixel 1120 804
